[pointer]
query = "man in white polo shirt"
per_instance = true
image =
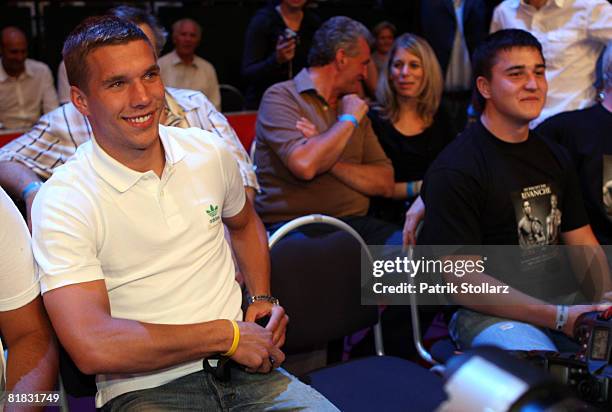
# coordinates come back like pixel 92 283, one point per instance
pixel 25 329
pixel 137 278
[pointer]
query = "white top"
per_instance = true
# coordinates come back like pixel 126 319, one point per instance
pixel 25 98
pixel 573 33
pixel 18 275
pixel 199 75
pixel 157 243
pixel 63 87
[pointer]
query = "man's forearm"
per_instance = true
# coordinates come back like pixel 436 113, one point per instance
pixel 371 180
pixel 319 153
pixel 250 245
pixel 32 363
pixel 14 177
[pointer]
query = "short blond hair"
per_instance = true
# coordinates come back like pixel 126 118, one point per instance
pixel 428 100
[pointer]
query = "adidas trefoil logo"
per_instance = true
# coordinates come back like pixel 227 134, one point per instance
pixel 213 213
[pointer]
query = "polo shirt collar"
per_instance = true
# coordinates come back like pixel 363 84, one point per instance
pixel 175 59
pixel 121 177
pixel 4 76
pixel 303 82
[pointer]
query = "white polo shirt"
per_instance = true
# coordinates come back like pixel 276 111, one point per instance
pixel 18 275
pixel 157 243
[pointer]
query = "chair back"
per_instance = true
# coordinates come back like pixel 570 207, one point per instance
pixel 232 99
pixel 318 282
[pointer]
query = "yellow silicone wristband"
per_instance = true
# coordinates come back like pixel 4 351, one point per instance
pixel 234 346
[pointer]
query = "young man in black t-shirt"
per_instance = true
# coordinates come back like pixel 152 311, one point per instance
pixel 497 184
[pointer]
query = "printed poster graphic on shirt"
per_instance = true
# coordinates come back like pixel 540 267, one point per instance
pixel 538 217
pixel 607 185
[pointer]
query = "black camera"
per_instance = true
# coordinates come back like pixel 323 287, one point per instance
pixel 588 371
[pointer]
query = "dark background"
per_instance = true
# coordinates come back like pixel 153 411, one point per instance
pixel 224 22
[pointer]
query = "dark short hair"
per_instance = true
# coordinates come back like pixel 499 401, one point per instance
pixel 485 56
pixel 90 34
pixel 139 16
pixel 337 33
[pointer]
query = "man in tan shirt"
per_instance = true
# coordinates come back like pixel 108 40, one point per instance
pixel 316 151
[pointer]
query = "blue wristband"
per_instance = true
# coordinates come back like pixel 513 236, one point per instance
pixel 349 118
pixel 29 188
pixel 409 191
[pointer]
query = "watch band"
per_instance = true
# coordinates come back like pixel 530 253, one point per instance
pixel 263 298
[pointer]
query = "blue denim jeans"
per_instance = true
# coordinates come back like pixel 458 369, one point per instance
pixel 471 329
pixel 200 391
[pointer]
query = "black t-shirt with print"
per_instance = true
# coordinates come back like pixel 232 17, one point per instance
pixel 587 135
pixel 484 191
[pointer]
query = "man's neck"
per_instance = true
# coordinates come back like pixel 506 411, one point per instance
pixel 13 73
pixel 538 4
pixel 185 58
pixel 504 128
pixel 290 13
pixel 607 101
pixel 323 80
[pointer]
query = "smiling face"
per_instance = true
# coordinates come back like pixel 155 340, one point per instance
pixel 124 99
pixel 406 74
pixel 517 88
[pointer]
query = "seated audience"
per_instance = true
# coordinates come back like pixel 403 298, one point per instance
pixel 30 159
pixel 407 122
pixel 335 167
pixel 32 353
pixel 494 185
pixel 26 85
pixel 181 67
pixel 276 46
pixel 161 326
pixel 454 28
pixel 586 134
pixel 573 34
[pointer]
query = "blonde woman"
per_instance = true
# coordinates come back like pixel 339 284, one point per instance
pixel 407 122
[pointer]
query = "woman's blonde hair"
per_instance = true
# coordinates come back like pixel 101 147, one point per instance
pixel 428 99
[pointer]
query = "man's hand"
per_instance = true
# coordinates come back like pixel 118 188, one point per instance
pixel 277 323
pixel 256 350
pixel 575 311
pixel 414 216
pixel 285 49
pixel 306 127
pixel 354 105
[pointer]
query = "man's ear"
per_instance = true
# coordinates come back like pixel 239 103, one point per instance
pixel 484 87
pixel 79 99
pixel 340 58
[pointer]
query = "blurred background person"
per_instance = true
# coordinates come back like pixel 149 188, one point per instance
pixel 410 128
pixel 26 85
pixel 454 28
pixel 276 46
pixel 183 69
pixel 384 34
